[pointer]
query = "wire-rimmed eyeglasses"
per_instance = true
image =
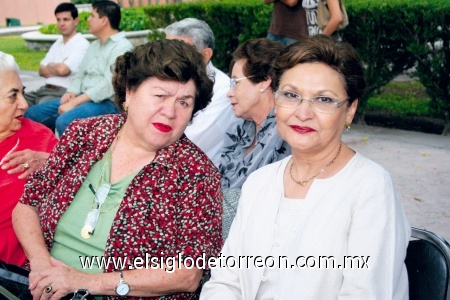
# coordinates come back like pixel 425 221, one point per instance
pixel 321 104
pixel 234 81
pixel 92 217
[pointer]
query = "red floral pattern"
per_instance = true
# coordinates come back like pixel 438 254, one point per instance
pixel 173 205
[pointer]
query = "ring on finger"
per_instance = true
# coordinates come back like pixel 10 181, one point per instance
pixel 48 289
pixel 26 166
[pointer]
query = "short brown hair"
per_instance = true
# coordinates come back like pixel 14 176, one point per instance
pixel 260 55
pixel 337 55
pixel 166 60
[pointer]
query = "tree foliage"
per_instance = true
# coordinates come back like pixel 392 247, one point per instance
pixel 382 51
pixel 232 22
pixel 427 35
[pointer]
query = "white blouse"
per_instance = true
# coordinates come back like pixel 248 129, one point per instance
pixel 287 215
pixel 356 212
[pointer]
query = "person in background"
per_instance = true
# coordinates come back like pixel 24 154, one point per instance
pixel 335 18
pixel 326 202
pixel 90 92
pixel 288 23
pixel 208 126
pixel 253 140
pixel 63 59
pixel 128 186
pixel 24 146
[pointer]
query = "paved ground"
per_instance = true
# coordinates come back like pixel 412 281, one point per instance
pixel 418 162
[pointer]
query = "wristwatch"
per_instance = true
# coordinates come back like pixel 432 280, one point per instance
pixel 122 287
pixel 80 294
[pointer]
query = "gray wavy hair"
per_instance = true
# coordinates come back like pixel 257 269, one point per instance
pixel 198 30
pixel 8 63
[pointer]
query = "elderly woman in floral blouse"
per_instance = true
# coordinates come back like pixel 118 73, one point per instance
pixel 128 187
pixel 253 141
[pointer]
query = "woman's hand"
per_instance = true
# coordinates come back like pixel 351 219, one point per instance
pixel 25 161
pixel 36 266
pixel 56 281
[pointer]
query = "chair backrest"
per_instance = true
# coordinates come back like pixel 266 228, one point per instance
pixel 428 263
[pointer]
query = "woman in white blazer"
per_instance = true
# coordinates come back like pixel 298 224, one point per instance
pixel 326 222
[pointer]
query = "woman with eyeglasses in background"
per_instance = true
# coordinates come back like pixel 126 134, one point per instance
pixel 253 141
pixel 328 219
pixel 128 189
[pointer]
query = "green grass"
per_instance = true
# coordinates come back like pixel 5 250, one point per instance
pixel 26 59
pixel 402 98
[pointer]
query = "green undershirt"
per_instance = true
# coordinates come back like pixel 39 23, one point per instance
pixel 68 245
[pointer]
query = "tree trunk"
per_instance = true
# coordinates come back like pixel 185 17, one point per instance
pixel 360 118
pixel 446 130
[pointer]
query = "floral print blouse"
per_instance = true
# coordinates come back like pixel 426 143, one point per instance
pixel 236 164
pixel 173 205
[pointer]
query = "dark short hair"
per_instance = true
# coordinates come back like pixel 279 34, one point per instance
pixel 108 9
pixel 166 60
pixel 339 56
pixel 260 55
pixel 65 6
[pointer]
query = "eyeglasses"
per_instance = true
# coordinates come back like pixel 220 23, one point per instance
pixel 92 217
pixel 321 104
pixel 234 81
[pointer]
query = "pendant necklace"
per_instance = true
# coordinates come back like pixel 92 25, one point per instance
pixel 99 198
pixel 305 182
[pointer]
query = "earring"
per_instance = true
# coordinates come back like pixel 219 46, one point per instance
pixel 262 90
pixel 125 106
pixel 347 126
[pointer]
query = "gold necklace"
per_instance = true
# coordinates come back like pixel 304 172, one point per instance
pixel 304 182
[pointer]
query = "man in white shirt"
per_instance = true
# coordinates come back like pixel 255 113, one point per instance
pixel 208 126
pixel 63 58
pixel 91 92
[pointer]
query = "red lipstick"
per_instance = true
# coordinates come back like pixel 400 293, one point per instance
pixel 162 127
pixel 302 129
